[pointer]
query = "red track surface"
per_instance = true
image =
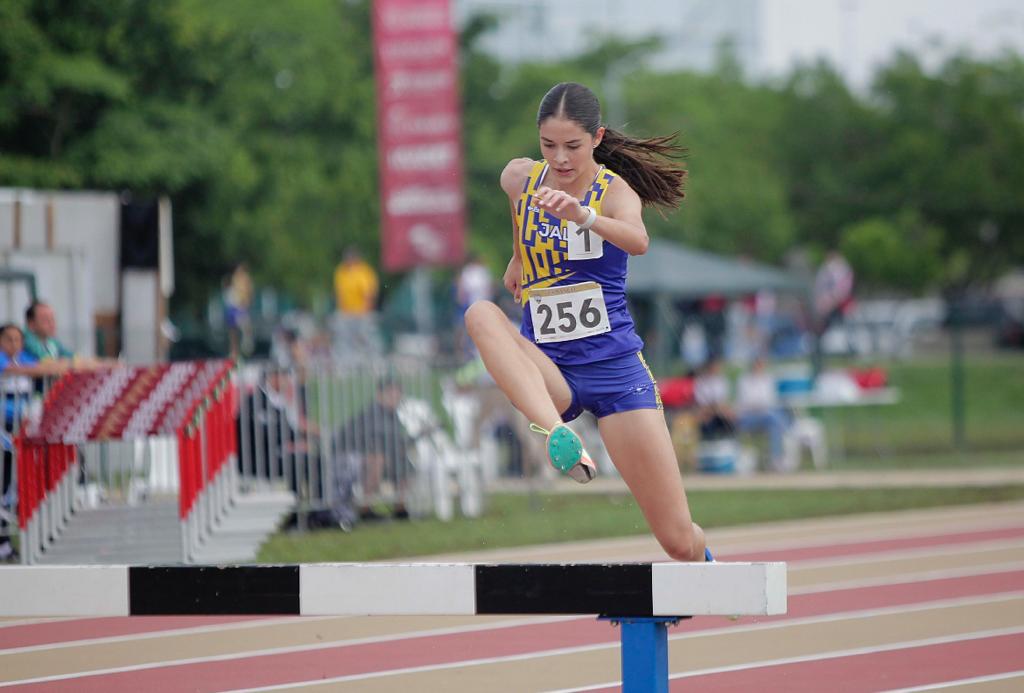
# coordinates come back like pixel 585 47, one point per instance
pixel 893 665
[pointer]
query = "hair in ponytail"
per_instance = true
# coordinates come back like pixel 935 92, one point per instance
pixel 647 165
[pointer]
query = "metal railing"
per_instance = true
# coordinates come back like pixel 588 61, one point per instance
pixel 355 438
pixel 21 396
pixel 347 439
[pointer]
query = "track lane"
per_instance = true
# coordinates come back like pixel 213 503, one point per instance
pixel 982 539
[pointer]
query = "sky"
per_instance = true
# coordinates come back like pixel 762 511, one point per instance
pixel 855 35
pixel 858 34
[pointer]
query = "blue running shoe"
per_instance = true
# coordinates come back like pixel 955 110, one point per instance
pixel 708 558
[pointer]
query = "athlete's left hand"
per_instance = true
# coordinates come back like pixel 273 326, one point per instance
pixel 560 203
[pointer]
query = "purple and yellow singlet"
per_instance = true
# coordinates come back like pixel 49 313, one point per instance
pixel 574 282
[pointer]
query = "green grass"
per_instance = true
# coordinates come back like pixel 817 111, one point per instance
pixel 922 420
pixel 933 460
pixel 518 520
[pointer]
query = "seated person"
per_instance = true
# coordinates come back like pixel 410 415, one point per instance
pixel 758 409
pixel 378 439
pixel 42 345
pixel 711 395
pixel 15 361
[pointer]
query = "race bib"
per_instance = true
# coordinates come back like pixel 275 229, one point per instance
pixel 584 244
pixel 561 313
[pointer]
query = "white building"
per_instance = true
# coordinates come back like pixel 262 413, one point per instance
pixel 691 30
pixel 769 36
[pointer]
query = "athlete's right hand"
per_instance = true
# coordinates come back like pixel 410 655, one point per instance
pixel 513 275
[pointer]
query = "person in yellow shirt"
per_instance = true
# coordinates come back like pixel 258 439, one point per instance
pixel 355 290
pixel 355 285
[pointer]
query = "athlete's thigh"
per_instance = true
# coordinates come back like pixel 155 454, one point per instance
pixel 554 381
pixel 639 444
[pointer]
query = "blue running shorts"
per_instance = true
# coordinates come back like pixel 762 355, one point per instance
pixel 623 383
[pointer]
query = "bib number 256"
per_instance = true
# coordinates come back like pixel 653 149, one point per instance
pixel 572 312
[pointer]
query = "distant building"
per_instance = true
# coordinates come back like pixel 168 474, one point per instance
pixel 691 30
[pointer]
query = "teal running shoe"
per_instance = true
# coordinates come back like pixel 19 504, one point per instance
pixel 567 454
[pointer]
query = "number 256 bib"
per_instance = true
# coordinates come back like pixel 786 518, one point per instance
pixel 561 313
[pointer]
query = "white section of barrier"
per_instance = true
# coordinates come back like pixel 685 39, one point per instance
pixel 93 590
pixel 702 589
pixel 380 589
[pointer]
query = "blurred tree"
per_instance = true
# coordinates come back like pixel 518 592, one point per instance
pixel 736 189
pixel 258 120
pixel 901 253
pixel 826 138
pixel 954 149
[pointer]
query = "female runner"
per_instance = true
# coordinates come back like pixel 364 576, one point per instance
pixel 576 220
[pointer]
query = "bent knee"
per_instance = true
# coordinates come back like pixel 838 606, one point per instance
pixel 684 547
pixel 482 316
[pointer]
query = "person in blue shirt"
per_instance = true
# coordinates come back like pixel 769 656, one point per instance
pixel 15 361
pixel 576 220
pixel 17 368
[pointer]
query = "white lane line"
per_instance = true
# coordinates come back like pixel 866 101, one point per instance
pixel 405 635
pixel 10 623
pixel 966 570
pixel 614 645
pixel 970 570
pixel 727 551
pixel 909 553
pixel 903 578
pixel 811 532
pixel 960 682
pixel 165 633
pixel 834 654
pixel 784 623
pixel 854 535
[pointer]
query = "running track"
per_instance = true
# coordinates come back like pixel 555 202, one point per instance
pixel 898 601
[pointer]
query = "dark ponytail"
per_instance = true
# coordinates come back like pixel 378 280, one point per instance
pixel 648 165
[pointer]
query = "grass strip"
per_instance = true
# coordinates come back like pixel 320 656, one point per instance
pixel 521 520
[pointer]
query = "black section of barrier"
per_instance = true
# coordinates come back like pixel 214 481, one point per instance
pixel 193 590
pixel 564 589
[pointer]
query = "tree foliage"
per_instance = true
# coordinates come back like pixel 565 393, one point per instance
pixel 258 119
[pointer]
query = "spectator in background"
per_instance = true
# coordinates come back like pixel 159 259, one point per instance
pixel 711 395
pixel 356 289
pixel 41 341
pixel 15 359
pixel 238 292
pixel 474 283
pixel 17 368
pixel 833 291
pixel 758 409
pixel 712 309
pixel 42 345
pixel 376 439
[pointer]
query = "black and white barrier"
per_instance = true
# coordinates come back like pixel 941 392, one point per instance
pixel 642 597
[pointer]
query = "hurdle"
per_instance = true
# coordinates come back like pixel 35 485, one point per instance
pixel 643 599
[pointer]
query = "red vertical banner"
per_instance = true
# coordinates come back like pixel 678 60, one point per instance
pixel 419 134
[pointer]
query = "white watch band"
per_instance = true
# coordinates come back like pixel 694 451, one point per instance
pixel 591 218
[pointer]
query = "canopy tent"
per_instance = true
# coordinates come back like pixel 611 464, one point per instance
pixel 679 272
pixel 670 273
pixel 17 290
pixel 10 275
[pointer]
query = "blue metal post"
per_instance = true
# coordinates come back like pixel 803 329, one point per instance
pixel 644 652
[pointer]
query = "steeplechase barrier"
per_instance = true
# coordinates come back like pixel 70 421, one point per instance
pixel 186 409
pixel 642 598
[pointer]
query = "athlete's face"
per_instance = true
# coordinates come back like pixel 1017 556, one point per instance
pixel 568 149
